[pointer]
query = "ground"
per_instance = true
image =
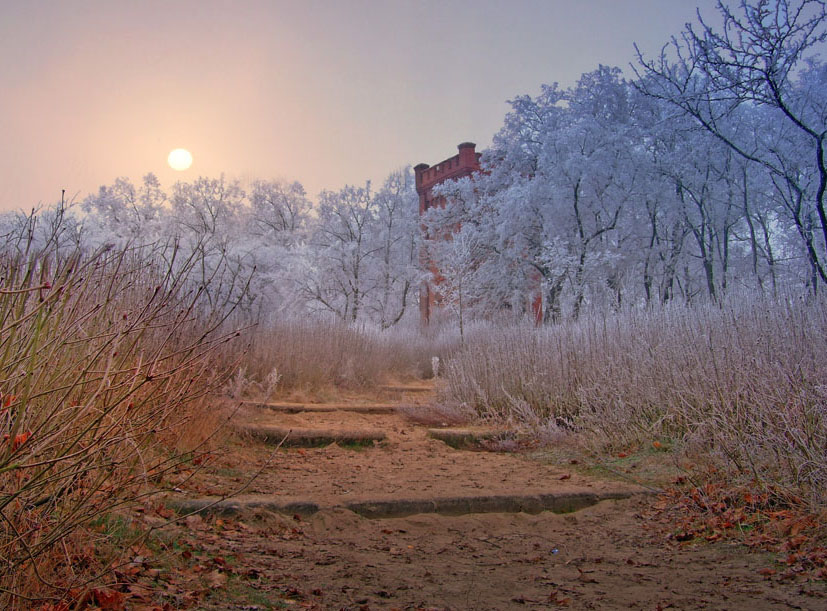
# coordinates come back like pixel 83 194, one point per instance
pixel 471 550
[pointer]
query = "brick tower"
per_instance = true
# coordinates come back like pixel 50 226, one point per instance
pixel 465 163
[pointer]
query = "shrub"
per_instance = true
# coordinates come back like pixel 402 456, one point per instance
pixel 103 358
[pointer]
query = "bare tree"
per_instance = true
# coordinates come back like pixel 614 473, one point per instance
pixel 343 248
pixel 759 58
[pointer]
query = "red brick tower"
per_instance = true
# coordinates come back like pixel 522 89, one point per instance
pixel 427 177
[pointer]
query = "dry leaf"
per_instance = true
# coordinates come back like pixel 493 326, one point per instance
pixel 109 599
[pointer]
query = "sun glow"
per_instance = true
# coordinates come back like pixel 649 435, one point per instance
pixel 179 159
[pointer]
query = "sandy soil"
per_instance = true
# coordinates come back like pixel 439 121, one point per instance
pixel 603 557
pixel 408 464
pixel 608 556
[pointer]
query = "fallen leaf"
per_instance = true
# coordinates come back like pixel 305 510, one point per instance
pixel 164 512
pixel 139 593
pixel 20 439
pixel 555 598
pixel 108 599
pixel 796 542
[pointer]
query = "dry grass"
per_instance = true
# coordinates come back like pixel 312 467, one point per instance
pixel 104 360
pixel 742 386
pixel 318 355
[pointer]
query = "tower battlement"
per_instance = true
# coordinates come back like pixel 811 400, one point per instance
pixel 463 164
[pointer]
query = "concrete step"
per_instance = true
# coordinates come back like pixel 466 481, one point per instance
pixel 556 502
pixel 297 408
pixel 405 389
pixel 310 438
pixel 461 438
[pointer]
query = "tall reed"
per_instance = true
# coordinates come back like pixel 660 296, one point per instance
pixel 317 353
pixel 743 383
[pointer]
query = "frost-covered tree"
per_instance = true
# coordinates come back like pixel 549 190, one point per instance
pixel 396 260
pixel 459 256
pixel 122 213
pixel 279 211
pixel 355 255
pixel 362 252
pixel 760 57
pixel 275 227
pixel 57 230
pixel 549 206
pixel 207 218
pixel 341 249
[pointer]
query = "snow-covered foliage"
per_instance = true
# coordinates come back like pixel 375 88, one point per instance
pixel 265 246
pixel 705 174
pixel 362 252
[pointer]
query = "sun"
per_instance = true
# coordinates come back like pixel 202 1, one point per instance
pixel 179 159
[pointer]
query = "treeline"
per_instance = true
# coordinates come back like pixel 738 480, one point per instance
pixel 265 248
pixel 704 174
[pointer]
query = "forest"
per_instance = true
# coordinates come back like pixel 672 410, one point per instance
pixel 670 215
pixel 701 177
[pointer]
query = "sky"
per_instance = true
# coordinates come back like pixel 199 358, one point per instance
pixel 326 92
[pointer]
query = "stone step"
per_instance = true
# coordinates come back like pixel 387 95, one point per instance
pixel 467 437
pixel 405 389
pixel 296 408
pixel 310 438
pixel 556 502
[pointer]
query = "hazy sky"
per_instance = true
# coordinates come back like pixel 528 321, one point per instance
pixel 325 92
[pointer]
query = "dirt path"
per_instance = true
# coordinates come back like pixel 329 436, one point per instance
pixel 470 530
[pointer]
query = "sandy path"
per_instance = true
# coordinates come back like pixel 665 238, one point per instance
pixel 603 557
pixel 408 464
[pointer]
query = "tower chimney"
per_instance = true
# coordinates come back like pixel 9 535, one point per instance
pixel 467 156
